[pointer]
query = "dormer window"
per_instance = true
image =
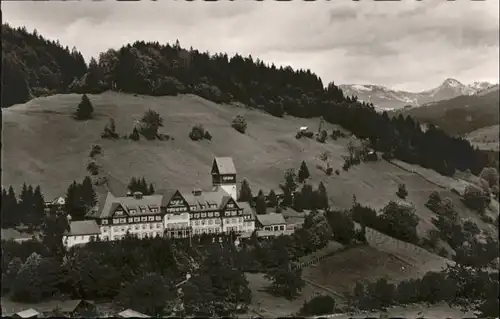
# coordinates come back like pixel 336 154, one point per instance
pixel 133 211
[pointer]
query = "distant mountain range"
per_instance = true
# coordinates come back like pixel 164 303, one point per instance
pixel 386 98
pixel 460 115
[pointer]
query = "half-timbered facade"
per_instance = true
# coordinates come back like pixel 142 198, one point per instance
pixel 176 216
pixel 137 214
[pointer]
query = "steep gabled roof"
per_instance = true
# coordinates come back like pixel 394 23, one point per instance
pixel 271 219
pixel 83 227
pixel 128 203
pixel 224 165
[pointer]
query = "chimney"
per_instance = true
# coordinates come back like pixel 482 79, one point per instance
pixel 137 195
pixel 197 192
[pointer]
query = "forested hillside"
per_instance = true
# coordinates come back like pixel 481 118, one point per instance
pixel 154 69
pixel 33 66
pixel 460 115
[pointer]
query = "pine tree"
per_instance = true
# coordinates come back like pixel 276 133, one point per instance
pixel 272 199
pixel 25 204
pixel 260 203
pixel 38 211
pixel 151 189
pixel 9 208
pixel 321 201
pixel 245 192
pixel 88 194
pixel 74 202
pixel 135 134
pixel 307 197
pixel 303 172
pixel 85 109
pixel 289 187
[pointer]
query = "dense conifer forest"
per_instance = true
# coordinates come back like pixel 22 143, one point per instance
pixel 34 66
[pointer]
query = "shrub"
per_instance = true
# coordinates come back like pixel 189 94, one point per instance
pixel 337 172
pixel 402 192
pixel 135 135
pixel 308 134
pixel 151 121
pixel 93 168
pixel 322 136
pixel 329 171
pixel 110 130
pixel 240 124
pixel 434 201
pixel 298 135
pixel 96 150
pixel 197 132
pixel 320 305
pixel 490 174
pixel 207 136
pixel 475 198
pixel 85 109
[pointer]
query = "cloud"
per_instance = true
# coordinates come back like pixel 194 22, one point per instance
pixel 407 45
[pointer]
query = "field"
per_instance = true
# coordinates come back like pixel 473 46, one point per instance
pixel 43 145
pixel 485 138
pixel 269 306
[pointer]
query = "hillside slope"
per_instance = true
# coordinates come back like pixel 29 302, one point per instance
pixel 459 115
pixel 43 145
pixel 485 138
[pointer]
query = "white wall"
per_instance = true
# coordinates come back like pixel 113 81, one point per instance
pixel 206 226
pixel 70 241
pixel 141 230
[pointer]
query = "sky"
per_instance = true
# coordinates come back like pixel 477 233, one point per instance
pixel 408 45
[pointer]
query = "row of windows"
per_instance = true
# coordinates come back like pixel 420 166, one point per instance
pixel 133 211
pixel 132 220
pixel 211 230
pixel 275 228
pixel 135 227
pixel 176 209
pixel 207 222
pixel 141 235
pixel 83 237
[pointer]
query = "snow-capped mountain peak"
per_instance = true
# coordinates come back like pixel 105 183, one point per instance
pixel 387 98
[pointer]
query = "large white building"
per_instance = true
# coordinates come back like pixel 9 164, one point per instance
pixel 178 214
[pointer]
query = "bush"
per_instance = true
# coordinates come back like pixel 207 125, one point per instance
pixel 240 124
pixel 85 109
pixel 110 130
pixel 96 150
pixel 337 172
pixel 322 136
pixel 434 201
pixel 298 135
pixel 320 305
pixel 329 171
pixel 207 136
pixel 475 198
pixel 402 192
pixel 135 135
pixel 308 134
pixel 197 132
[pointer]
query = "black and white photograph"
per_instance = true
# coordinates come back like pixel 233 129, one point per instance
pixel 250 159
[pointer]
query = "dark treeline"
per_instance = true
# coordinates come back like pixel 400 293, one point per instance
pixel 33 66
pixel 156 69
pixel 26 210
pixel 29 209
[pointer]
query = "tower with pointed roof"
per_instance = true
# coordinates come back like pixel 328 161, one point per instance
pixel 224 175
